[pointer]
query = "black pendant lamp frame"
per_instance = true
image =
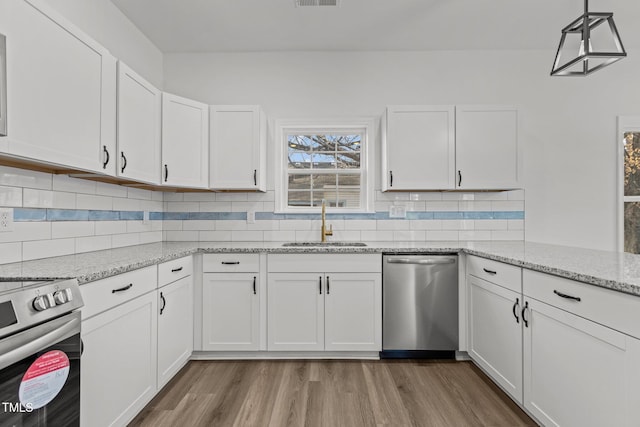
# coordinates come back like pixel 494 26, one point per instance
pixel 584 25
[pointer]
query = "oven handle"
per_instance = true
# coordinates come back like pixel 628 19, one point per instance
pixel 31 346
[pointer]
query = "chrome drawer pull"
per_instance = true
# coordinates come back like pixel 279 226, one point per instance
pixel 124 288
pixel 571 297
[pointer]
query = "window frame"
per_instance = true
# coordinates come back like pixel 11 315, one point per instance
pixel 325 125
pixel 625 124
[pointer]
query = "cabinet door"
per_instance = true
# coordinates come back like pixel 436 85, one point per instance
pixel 353 312
pixel 237 148
pixel 185 142
pixel 119 362
pixel 577 372
pixel 418 148
pixel 230 311
pixel 487 148
pixel 175 328
pixel 139 105
pixel 296 311
pixel 61 90
pixel 495 333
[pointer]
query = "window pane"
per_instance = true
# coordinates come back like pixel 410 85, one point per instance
pixel 299 198
pixel 348 199
pixel 348 160
pixel 632 227
pixel 324 161
pixel 299 182
pixel 349 142
pixel 345 181
pixel 631 164
pixel 323 182
pixel 299 160
pixel 323 143
pixel 299 143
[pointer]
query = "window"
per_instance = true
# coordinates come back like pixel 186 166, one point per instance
pixel 629 222
pixel 323 161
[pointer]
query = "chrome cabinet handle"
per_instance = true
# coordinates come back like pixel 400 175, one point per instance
pixel 175 270
pixel 106 152
pixel 230 262
pixel 122 289
pixel 571 297
pixel 515 309
pixel 490 271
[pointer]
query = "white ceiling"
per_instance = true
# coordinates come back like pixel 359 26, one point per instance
pixel 276 25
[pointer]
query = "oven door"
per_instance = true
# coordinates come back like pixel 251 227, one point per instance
pixel 40 375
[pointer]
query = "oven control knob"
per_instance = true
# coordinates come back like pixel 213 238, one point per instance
pixel 40 303
pixel 69 294
pixel 60 297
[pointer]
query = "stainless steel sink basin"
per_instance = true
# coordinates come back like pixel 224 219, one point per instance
pixel 322 244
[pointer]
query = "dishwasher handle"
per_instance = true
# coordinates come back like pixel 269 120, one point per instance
pixel 428 261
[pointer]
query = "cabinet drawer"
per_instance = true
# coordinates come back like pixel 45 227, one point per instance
pixel 104 294
pixel 231 263
pixel 616 310
pixel 324 263
pixel 508 276
pixel 171 271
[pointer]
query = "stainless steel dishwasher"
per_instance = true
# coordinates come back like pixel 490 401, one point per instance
pixel 420 306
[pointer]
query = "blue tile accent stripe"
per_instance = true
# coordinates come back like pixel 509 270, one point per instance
pixel 41 214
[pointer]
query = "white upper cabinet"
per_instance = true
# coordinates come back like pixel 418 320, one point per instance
pixel 237 148
pixel 185 142
pixel 487 149
pixel 418 148
pixel 139 110
pixel 447 147
pixel 61 90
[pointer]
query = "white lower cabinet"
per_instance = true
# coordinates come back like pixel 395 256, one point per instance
pixel 577 372
pixel 231 311
pixel 119 362
pixel 333 310
pixel 495 333
pixel 175 328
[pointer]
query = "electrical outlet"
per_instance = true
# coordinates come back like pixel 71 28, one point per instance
pixel 6 219
pixel 397 211
pixel 251 217
pixel 145 217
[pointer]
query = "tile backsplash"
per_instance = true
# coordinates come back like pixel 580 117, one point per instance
pixel 60 215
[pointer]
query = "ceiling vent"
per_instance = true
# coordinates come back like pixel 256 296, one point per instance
pixel 316 2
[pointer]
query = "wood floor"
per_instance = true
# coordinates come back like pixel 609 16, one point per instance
pixel 331 393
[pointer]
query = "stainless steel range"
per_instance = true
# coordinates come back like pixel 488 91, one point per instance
pixel 40 351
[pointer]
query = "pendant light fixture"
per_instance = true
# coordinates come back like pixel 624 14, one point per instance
pixel 588 44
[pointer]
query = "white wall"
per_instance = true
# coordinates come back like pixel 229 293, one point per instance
pixel 568 126
pixel 104 22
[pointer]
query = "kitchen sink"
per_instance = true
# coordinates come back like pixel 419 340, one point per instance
pixel 322 244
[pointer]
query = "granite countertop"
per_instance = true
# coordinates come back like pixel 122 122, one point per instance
pixel 613 270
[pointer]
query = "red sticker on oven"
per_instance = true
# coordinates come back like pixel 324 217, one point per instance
pixel 44 379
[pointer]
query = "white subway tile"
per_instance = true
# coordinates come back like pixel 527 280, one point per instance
pixel 307 235
pixel 199 197
pixel 375 236
pixel 345 236
pixel 360 224
pixel 33 198
pixel 183 207
pixel 120 204
pixel 156 225
pixel 269 196
pixel 181 236
pixel 200 225
pixel 295 224
pixel 172 225
pixel 10 196
pixel 435 195
pixel 247 206
pixel 231 197
pixel 139 193
pixel 442 235
pixel 492 195
pixel 24 178
pixel 234 225
pixel 151 206
pixel 443 206
pixel 64 229
pixel 474 235
pixel 173 197
pixel 247 236
pixel 24 231
pixel 214 236
pixel 264 225
pixel 215 206
pixel 515 224
pixel 10 252
pixel 269 206
pixel 508 235
pixel 73 185
pixel 122 240
pixel 138 227
pixel 515 195
pixel 382 206
pixel 425 224
pixel 279 236
pixel 392 224
pixel 157 196
pixel 86 201
pixel 465 205
pixel 150 237
pixel 111 190
pixel 391 196
pixel 336 224
pixel 47 248
pixel 457 196
pixel 458 224
pixel 511 205
pixel 110 227
pixel 93 243
pixel 491 224
pixel 406 235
